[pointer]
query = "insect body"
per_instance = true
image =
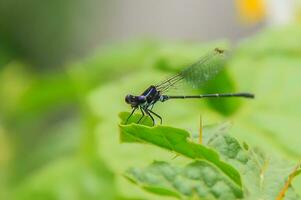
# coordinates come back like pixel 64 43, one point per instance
pixel 196 74
pixel 145 102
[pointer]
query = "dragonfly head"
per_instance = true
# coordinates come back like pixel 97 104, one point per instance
pixel 134 101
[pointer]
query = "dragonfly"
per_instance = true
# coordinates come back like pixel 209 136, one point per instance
pixel 196 74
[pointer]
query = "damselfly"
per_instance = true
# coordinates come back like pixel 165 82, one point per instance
pixel 196 74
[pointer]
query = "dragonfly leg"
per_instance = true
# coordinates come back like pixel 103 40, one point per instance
pixel 148 113
pixel 151 107
pixel 130 115
pixel 156 115
pixel 141 116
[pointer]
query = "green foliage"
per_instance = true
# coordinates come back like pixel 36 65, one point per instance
pixel 59 132
pixel 262 177
pixel 199 179
pixel 70 178
pixel 175 140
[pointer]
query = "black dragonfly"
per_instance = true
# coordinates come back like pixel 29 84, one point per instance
pixel 196 74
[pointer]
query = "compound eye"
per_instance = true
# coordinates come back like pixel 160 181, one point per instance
pixel 128 98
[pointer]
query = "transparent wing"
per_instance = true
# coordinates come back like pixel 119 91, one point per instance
pixel 170 83
pixel 198 73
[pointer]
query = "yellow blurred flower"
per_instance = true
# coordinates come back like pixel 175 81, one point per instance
pixel 251 11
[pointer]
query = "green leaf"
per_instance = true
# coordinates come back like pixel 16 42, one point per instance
pixel 263 177
pixel 199 178
pixel 176 140
pixel 70 178
pixel 267 65
pixel 279 41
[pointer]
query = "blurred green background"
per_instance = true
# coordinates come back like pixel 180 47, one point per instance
pixel 65 67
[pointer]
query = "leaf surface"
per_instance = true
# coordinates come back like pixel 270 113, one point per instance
pixel 176 140
pixel 197 179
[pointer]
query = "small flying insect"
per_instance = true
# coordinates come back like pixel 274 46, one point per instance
pixel 196 74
